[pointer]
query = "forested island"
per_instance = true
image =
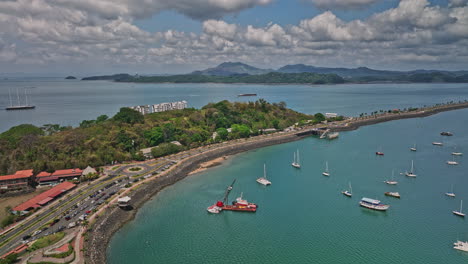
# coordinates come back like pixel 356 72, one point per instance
pixel 120 138
pixel 268 78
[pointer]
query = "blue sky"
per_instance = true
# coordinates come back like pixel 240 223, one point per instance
pixel 179 36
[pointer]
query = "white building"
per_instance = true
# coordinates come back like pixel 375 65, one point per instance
pixel 331 115
pixel 162 107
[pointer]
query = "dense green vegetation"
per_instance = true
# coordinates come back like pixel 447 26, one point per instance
pixel 102 141
pixel 10 259
pixel 434 77
pixel 272 77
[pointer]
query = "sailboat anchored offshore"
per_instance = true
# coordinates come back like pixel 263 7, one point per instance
pixel 19 106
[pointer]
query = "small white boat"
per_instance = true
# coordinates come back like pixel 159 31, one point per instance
pixel 393 194
pixel 457 154
pixel 349 192
pixel 296 163
pixel 460 245
pixel 451 193
pixel 413 148
pixel 326 172
pixel 459 213
pixel 411 172
pixel 391 182
pixel 373 204
pixel 214 209
pixel 452 162
pixel 263 180
pixel 437 143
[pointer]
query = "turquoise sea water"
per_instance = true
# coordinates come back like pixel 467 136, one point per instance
pixel 302 216
pixel 68 102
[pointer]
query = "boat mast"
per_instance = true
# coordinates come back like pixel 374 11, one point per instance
pixel 298 161
pixel 350 188
pixel 461 204
pixel 294 161
pixel 228 190
pixel 264 171
pixel 26 95
pixel 17 94
pixel 326 166
pixel 9 94
pixel 412 166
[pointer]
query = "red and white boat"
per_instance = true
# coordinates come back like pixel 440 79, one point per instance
pixel 379 153
pixel 216 208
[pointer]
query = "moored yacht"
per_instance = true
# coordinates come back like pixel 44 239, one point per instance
pixel 452 162
pixel 391 182
pixel 451 193
pixel 393 194
pixel 413 148
pixel 411 172
pixel 349 192
pixel 326 172
pixel 459 213
pixel 460 245
pixel 373 204
pixel 437 143
pixel 296 163
pixel 263 180
pixel 457 153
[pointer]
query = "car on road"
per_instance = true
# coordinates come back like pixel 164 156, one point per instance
pixel 88 212
pixel 37 232
pixel 26 237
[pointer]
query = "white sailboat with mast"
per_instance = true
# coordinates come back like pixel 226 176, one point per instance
pixel 20 106
pixel 451 193
pixel 263 180
pixel 326 172
pixel 411 172
pixel 296 163
pixel 392 181
pixel 413 148
pixel 459 213
pixel 349 192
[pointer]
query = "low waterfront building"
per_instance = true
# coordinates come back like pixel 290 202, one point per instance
pixel 18 182
pixel 45 178
pixel 124 202
pixel 162 107
pixel 44 198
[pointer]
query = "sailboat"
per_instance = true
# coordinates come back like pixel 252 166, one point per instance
pixel 19 106
pixel 451 193
pixel 413 148
pixel 296 163
pixel 263 180
pixel 348 193
pixel 459 213
pixel 326 173
pixel 392 182
pixel 452 162
pixel 411 172
pixel 456 153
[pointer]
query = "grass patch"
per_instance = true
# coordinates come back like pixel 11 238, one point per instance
pixel 135 169
pixel 47 241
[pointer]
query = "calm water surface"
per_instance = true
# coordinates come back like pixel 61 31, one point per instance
pixel 302 216
pixel 68 102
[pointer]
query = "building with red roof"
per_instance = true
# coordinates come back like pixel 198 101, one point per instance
pixel 20 181
pixel 45 197
pixel 45 178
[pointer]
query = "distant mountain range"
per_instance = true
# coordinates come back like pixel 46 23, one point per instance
pixel 231 72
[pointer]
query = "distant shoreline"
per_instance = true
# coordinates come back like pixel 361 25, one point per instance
pixel 114 218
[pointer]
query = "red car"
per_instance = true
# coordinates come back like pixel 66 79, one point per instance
pixel 88 212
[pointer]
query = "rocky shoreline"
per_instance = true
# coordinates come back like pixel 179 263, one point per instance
pixel 355 124
pixel 114 218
